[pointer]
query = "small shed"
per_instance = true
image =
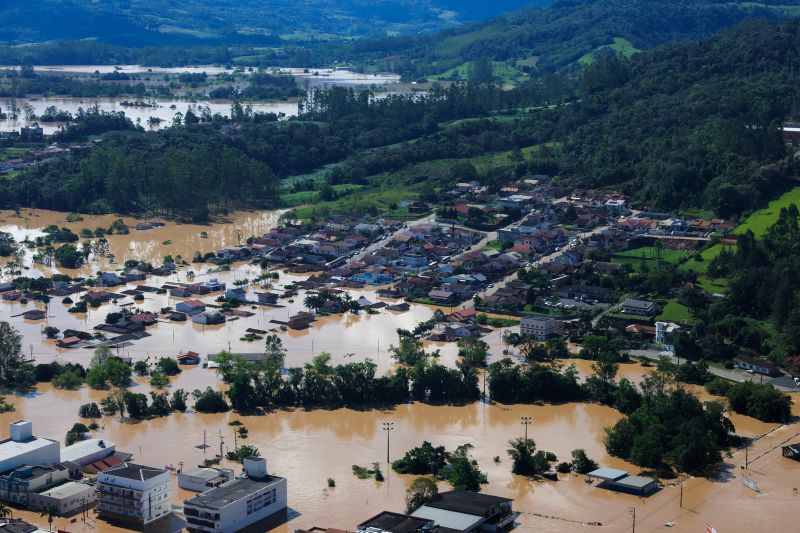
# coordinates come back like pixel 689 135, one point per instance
pixel 621 481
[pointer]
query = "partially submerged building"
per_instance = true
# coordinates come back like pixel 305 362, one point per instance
pixel 621 481
pixel 238 503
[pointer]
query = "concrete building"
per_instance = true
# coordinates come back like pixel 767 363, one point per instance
pixel 666 334
pixel 538 327
pixel 88 451
pixel 23 448
pixel 204 478
pixel 67 497
pixel 467 512
pixel 239 503
pixel 134 493
pixel 18 485
pixel 638 307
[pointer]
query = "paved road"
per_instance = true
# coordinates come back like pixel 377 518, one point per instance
pixel 739 375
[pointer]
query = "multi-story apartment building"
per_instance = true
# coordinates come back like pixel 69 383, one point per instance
pixel 133 493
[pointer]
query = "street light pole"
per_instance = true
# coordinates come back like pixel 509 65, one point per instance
pixel 387 427
pixel 632 510
pixel 526 421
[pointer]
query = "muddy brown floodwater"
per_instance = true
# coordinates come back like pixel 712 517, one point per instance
pixel 310 447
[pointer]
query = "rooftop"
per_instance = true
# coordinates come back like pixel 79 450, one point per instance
pixel 229 492
pixel 637 482
pixel 459 521
pixel 84 448
pixel 607 474
pixel 71 488
pixel 11 448
pixel 462 501
pixel 134 471
pixel 395 522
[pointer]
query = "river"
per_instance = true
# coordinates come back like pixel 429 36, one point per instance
pixel 308 447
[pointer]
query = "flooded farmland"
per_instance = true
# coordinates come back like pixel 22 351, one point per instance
pixel 308 447
pixel 165 109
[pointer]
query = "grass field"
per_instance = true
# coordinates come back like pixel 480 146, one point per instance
pixel 633 258
pixel 675 312
pixel 11 153
pixel 760 221
pixel 500 70
pixel 620 46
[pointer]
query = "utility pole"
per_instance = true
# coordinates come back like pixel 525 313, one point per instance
pixel 746 454
pixel 526 421
pixel 632 511
pixel 387 427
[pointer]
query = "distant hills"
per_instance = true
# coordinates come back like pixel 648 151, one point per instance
pixel 170 22
pixel 565 34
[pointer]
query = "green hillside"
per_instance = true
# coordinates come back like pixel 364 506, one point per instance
pixel 565 35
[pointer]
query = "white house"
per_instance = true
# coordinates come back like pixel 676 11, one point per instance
pixel 666 333
pixel 538 327
pixel 133 493
pixel 239 503
pixel 23 448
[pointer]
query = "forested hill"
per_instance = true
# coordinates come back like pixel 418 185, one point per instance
pixel 689 124
pixel 160 22
pixel 565 34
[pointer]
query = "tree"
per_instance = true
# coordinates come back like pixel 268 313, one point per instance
pixel 421 491
pixel 424 459
pixel 242 394
pixel 168 366
pixel 463 472
pixel 5 510
pixel 51 512
pixel 521 452
pixel 179 400
pixel 136 405
pixel 159 380
pixel 409 352
pixel 89 410
pixel 209 401
pixel 581 462
pixel 243 452
pixel 68 379
pixel 10 354
pixel 274 350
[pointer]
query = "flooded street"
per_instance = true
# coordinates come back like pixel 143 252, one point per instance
pixel 308 447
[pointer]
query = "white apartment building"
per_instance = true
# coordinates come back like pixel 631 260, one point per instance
pixel 23 448
pixel 538 327
pixel 238 503
pixel 133 493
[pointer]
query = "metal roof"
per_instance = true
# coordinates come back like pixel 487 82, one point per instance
pixel 637 482
pixel 448 519
pixel 608 474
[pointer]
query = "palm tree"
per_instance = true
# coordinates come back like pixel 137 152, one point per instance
pixel 51 511
pixel 5 511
